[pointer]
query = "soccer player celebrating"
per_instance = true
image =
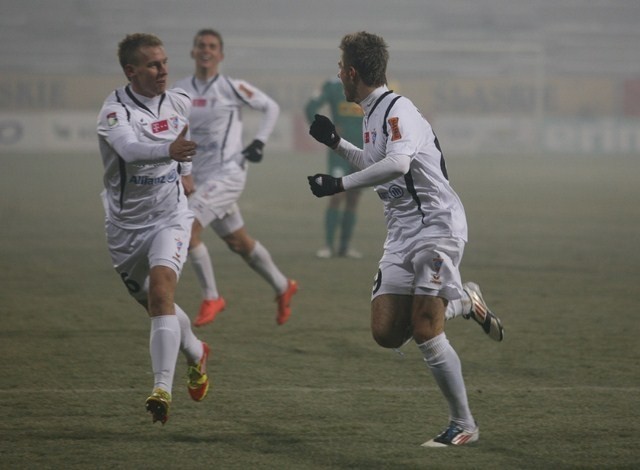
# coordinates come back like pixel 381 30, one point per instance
pixel 418 274
pixel 143 136
pixel 220 172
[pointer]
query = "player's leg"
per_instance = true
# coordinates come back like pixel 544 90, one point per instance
pixel 391 320
pixel 166 255
pixel 259 259
pixel 332 217
pixel 391 300
pixel 437 278
pixel 334 211
pixel 212 302
pixel 128 249
pixel 209 204
pixel 349 218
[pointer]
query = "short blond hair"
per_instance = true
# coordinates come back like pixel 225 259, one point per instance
pixel 129 47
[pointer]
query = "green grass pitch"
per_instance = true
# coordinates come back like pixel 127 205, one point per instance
pixel 553 243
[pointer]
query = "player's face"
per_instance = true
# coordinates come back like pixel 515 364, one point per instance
pixel 149 76
pixel 207 52
pixel 346 76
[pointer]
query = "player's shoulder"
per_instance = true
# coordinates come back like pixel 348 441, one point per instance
pixel 178 94
pixel 179 98
pixel 116 101
pixel 243 89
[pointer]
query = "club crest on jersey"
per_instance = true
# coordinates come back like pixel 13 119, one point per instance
pixel 112 119
pixel 159 126
pixel 176 255
pixel 175 122
pixel 395 128
pixel 437 266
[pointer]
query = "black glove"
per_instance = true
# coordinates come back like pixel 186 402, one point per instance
pixel 253 152
pixel 324 185
pixel 323 130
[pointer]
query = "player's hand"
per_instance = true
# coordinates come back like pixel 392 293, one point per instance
pixel 323 130
pixel 324 185
pixel 253 152
pixel 181 149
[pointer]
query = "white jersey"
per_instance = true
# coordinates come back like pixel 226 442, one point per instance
pixel 142 183
pixel 421 203
pixel 216 122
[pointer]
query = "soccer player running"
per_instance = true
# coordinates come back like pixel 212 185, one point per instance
pixel 418 283
pixel 143 136
pixel 220 172
pixel 347 117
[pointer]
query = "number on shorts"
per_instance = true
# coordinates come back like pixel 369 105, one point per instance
pixel 132 285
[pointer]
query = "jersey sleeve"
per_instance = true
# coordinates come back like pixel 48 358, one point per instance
pixel 114 125
pixel 403 129
pixel 385 170
pixel 258 100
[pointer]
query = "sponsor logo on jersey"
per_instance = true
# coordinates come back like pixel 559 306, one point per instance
pixel 199 102
pixel 370 137
pixel 112 119
pixel 395 128
pixel 246 91
pixel 394 192
pixel 143 180
pixel 159 126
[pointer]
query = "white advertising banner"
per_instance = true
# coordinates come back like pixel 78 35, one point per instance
pixel 72 131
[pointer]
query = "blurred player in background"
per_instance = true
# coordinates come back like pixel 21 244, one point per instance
pixel 143 136
pixel 342 207
pixel 220 172
pixel 418 274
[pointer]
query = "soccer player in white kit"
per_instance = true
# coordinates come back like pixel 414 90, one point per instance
pixel 142 131
pixel 418 284
pixel 220 173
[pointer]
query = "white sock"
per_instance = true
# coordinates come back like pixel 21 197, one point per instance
pixel 260 261
pixel 164 343
pixel 190 345
pixel 458 307
pixel 444 363
pixel 201 262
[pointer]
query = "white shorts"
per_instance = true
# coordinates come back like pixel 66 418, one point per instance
pixel 135 251
pixel 430 267
pixel 217 198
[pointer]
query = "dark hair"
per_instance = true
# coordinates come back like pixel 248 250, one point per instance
pixel 209 32
pixel 129 47
pixel 367 53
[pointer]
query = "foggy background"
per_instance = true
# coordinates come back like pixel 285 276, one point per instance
pixel 495 76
